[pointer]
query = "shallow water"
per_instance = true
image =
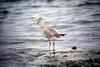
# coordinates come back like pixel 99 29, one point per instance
pixel 78 19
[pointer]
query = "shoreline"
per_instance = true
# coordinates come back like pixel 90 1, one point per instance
pixel 38 57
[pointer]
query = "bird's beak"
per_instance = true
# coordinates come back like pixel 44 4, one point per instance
pixel 38 22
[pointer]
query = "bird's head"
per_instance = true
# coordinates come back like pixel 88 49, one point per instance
pixel 39 19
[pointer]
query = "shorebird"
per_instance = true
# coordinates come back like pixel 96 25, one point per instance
pixel 49 33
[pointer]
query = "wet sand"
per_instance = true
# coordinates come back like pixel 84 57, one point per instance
pixel 18 56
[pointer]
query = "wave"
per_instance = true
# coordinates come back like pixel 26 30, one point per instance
pixel 86 21
pixel 96 14
pixel 88 2
pixel 9 0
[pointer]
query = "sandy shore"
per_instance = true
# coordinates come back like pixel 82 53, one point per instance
pixel 40 57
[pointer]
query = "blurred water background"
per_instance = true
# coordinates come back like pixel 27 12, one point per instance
pixel 78 19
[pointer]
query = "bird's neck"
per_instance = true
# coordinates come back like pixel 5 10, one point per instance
pixel 42 23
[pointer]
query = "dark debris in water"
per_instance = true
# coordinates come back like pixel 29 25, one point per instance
pixel 74 48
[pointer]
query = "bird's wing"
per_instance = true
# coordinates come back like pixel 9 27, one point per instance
pixel 51 32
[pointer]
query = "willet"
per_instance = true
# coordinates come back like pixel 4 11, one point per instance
pixel 49 33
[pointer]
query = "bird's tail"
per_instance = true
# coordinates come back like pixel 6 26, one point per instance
pixel 62 34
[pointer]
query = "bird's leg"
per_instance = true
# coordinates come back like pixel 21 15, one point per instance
pixel 49 46
pixel 54 47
